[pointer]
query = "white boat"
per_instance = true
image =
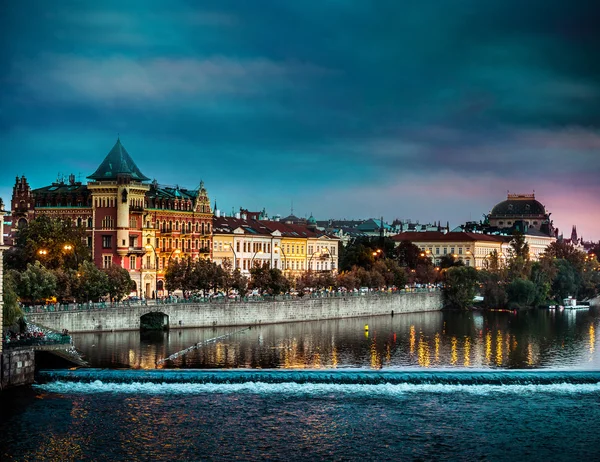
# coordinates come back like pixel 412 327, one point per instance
pixel 570 303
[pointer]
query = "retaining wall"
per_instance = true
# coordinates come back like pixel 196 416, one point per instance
pixel 17 367
pixel 239 313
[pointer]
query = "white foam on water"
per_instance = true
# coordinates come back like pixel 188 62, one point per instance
pixel 316 389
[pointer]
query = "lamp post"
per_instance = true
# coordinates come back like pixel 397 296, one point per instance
pixel 230 247
pixel 177 251
pixel 328 254
pixel 310 260
pixel 68 248
pixel 148 247
pixel 252 261
pixel 473 257
pixel 280 249
pixel 42 252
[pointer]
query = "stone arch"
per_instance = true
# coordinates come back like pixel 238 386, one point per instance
pixel 154 320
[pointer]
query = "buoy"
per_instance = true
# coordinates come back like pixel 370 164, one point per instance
pixel 366 327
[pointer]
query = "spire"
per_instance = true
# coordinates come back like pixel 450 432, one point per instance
pixel 118 162
pixel 574 235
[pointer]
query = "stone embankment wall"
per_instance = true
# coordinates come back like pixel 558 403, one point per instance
pixel 238 313
pixel 17 367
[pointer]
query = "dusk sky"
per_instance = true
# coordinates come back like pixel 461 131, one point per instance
pixel 426 110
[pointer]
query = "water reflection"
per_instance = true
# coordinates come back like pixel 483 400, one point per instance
pixel 430 340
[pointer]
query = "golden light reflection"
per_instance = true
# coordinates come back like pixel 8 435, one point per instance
pixel 424 360
pixel 437 347
pixel 488 347
pixel 388 353
pixel 499 348
pixel 467 361
pixel 530 355
pixel 334 357
pixel 454 351
pixel 375 358
pixel 412 339
pixel 592 340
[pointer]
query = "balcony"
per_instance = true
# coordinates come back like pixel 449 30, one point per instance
pixel 136 250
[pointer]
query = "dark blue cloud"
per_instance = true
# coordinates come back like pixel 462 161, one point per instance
pixel 308 99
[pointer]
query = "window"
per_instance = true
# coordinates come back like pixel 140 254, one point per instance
pixel 237 246
pixel 107 222
pixel 106 261
pixel 107 242
pixel 133 222
pixel 132 262
pixel 90 223
pixel 452 250
pixel 437 250
pixel 445 251
pixel 460 250
pixel 148 261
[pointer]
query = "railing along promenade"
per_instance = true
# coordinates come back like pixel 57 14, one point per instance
pixel 59 307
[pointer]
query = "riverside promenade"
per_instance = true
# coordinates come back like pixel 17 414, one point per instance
pixel 218 313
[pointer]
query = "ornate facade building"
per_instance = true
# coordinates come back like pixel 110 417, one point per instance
pixel 129 222
pixel 521 211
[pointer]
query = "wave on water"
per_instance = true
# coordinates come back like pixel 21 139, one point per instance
pixel 348 382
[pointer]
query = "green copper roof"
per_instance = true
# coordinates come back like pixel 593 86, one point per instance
pixel 118 162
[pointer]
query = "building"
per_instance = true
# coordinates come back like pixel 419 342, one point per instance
pixel 521 212
pixel 2 249
pixel 245 243
pixel 471 248
pixel 129 222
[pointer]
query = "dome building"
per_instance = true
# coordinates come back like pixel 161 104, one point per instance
pixel 520 211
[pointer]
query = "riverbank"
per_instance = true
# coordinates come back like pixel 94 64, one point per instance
pixel 182 315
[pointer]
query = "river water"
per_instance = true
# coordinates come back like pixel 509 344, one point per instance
pixel 428 386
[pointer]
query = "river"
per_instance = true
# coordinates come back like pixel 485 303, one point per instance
pixel 426 386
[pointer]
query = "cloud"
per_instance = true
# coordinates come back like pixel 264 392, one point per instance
pixel 119 78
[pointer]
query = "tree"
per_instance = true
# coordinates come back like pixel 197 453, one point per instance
pixel 459 287
pixel 566 251
pixel 408 254
pixel 11 312
pixel 92 284
pixel 175 275
pixel 35 284
pixel 279 283
pixel 239 282
pixel 519 266
pixel 521 293
pixel 119 282
pixel 566 281
pixel 492 289
pixel 51 236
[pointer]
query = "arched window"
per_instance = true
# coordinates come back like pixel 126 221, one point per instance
pixel 90 223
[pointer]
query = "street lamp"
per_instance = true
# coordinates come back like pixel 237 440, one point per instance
pixel 473 257
pixel 252 261
pixel 280 249
pixel 42 252
pixel 230 247
pixel 176 251
pixel 310 260
pixel 68 248
pixel 326 254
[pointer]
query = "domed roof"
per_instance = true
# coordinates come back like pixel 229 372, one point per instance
pixel 311 220
pixel 519 204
